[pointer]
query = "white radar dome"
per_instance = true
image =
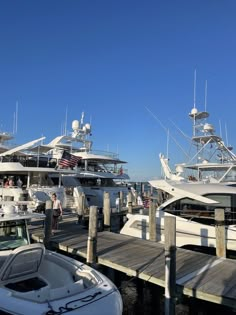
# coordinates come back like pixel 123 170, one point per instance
pixel 88 126
pixel 75 124
pixel 179 168
pixel 194 111
pixel 208 127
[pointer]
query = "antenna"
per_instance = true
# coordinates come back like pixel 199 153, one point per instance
pixel 167 145
pixel 205 95
pixel 220 129
pixel 194 89
pixel 166 130
pixel 226 135
pixel 66 121
pixel 82 118
pixel 14 122
pixel 16 116
pixel 15 119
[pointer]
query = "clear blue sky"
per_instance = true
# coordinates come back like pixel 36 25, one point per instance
pixel 113 59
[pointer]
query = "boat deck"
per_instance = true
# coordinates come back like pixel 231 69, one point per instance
pixel 198 275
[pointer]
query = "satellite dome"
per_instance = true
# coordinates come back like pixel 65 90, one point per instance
pixel 194 111
pixel 88 126
pixel 75 124
pixel 208 127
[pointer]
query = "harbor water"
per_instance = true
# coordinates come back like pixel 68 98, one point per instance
pixel 143 298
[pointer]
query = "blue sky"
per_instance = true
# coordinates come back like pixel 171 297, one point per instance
pixel 113 60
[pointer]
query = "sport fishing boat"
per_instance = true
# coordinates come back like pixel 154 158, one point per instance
pixel 66 166
pixel 210 159
pixel 193 205
pixel 34 280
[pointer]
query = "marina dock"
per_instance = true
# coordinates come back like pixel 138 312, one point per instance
pixel 198 275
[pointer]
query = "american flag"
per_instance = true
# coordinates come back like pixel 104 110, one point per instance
pixel 69 160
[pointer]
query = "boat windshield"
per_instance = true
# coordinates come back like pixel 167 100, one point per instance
pixel 13 234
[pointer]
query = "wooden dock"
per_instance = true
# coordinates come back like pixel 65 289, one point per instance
pixel 198 275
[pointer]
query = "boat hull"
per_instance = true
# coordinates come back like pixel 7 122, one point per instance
pixel 187 232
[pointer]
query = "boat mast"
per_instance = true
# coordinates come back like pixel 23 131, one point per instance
pixel 205 95
pixel 194 103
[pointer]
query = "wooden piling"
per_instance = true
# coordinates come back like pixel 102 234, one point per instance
pixel 81 206
pixel 48 223
pixel 130 208
pixel 152 222
pixel 92 235
pixel 121 196
pixel 170 264
pixel 107 211
pixel 220 232
pixel 142 188
pixel 135 198
pixel 119 208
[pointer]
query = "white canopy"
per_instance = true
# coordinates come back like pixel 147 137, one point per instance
pixel 22 147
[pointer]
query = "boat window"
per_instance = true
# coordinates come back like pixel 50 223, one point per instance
pixel 228 203
pixel 190 209
pixel 224 200
pixel 204 213
pixel 13 234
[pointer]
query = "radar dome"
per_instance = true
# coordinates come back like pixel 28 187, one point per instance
pixel 75 124
pixel 88 126
pixel 194 111
pixel 208 127
pixel 179 168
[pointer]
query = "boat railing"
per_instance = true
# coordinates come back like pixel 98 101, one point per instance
pixel 29 161
pixel 206 215
pixel 105 153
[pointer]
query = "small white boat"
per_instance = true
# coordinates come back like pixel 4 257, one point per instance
pixel 34 280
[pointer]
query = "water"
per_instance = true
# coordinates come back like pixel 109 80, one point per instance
pixel 143 298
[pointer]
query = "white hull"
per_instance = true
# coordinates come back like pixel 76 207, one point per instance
pixel 106 306
pixel 59 285
pixel 187 232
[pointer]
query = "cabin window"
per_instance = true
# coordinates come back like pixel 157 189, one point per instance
pixel 190 209
pixel 204 213
pixel 228 203
pixel 13 234
pixel 224 200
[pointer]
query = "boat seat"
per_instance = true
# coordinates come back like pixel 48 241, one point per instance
pixel 22 263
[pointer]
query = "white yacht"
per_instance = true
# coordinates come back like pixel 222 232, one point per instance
pixel 34 280
pixel 41 171
pixel 210 158
pixel 193 205
pixel 5 138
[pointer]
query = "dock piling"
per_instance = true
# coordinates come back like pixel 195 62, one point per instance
pixel 130 208
pixel 152 221
pixel 48 223
pixel 220 232
pixel 107 211
pixel 92 235
pixel 170 264
pixel 81 207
